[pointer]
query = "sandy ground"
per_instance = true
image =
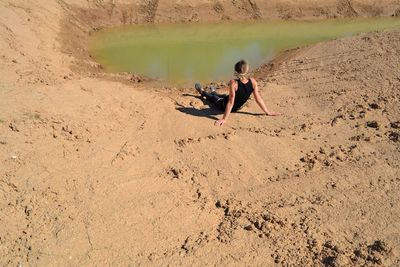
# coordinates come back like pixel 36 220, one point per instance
pixel 100 169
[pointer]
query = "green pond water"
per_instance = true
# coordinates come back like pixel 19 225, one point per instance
pixel 183 53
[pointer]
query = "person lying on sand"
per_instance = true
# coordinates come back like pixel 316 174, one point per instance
pixel 239 92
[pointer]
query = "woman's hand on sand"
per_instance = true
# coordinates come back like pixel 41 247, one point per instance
pixel 274 114
pixel 219 122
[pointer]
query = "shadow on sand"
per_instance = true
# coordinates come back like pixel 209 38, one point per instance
pixel 211 112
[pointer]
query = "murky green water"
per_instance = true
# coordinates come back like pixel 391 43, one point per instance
pixel 207 52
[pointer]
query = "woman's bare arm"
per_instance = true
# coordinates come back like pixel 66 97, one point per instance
pixel 229 105
pixel 260 101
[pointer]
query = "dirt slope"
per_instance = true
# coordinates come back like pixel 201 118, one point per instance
pixel 95 171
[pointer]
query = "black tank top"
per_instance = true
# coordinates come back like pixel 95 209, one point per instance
pixel 242 94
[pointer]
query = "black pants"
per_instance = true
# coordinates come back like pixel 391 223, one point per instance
pixel 218 100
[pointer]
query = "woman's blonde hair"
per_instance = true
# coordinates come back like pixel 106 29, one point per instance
pixel 241 69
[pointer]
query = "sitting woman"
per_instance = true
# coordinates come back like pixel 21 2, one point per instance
pixel 240 91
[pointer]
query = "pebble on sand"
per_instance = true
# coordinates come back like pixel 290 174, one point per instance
pixel 373 124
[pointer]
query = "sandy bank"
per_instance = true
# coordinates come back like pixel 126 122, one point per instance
pixel 99 172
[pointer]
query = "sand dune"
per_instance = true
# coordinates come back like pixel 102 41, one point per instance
pixel 110 169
